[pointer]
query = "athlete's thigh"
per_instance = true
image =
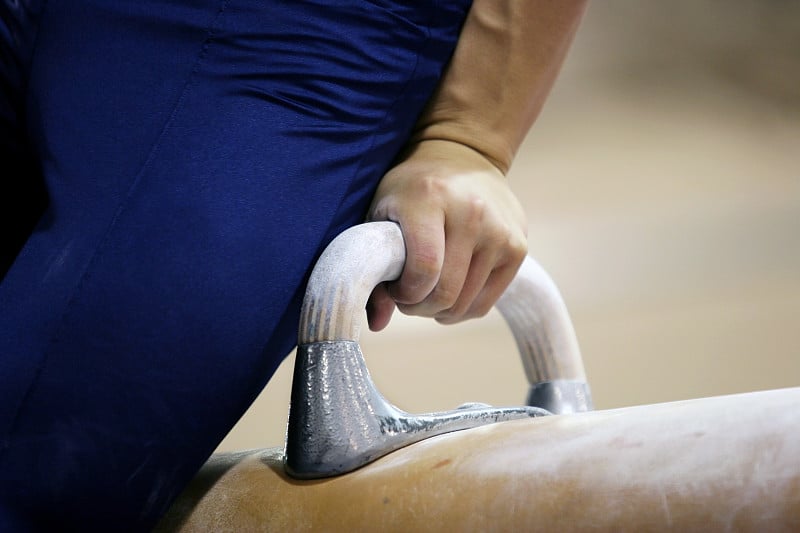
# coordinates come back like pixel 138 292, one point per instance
pixel 198 157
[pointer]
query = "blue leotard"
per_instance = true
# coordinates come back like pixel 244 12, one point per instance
pixel 177 168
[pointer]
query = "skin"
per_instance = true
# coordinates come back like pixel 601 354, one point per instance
pixel 465 230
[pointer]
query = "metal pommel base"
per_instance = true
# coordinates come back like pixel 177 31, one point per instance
pixel 338 421
pixel 561 396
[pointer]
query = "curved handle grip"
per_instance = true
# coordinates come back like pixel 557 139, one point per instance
pixel 365 255
pixel 338 421
pixel 537 315
pixel 352 265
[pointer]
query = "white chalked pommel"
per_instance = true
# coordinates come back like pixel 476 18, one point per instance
pixel 338 421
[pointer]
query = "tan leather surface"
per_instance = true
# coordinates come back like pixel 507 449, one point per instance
pixel 727 463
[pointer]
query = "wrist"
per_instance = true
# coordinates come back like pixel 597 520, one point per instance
pixel 452 149
pixel 484 141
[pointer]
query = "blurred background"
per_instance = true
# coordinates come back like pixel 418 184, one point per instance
pixel 662 186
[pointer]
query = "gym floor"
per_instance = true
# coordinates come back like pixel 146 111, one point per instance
pixel 662 186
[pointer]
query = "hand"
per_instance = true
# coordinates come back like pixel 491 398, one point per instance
pixel 465 234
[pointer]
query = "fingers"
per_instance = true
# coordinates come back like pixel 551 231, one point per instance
pixel 480 292
pixel 456 247
pixel 425 240
pixel 481 255
pixel 492 267
pixel 468 287
pixel 465 234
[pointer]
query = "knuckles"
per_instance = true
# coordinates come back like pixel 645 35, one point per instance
pixel 419 277
pixel 482 225
pixel 444 296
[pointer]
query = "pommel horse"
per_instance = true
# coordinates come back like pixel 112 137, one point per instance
pixel 354 462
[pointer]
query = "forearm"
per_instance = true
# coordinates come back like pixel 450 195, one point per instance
pixel 507 59
pixel 464 229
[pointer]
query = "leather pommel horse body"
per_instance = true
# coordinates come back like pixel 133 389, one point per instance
pixel 354 462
